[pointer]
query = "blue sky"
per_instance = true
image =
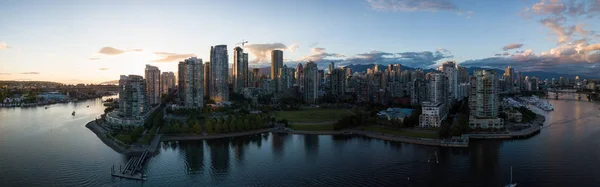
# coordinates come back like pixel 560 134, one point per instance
pixel 62 40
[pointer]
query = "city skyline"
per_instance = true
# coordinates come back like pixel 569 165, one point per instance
pixel 98 41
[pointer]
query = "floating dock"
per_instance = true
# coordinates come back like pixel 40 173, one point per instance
pixel 134 169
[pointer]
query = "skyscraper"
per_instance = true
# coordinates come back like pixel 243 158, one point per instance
pixel 337 83
pixel 299 76
pixel 509 78
pixel 219 73
pixel 311 83
pixel 207 79
pixel 239 71
pixel 276 65
pixel 438 88
pixel 463 75
pixel 483 100
pixel 167 81
pixel 153 91
pixel 449 69
pixel 132 97
pixel 191 83
pixel 245 69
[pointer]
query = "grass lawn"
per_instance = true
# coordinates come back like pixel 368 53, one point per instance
pixel 125 138
pixel 312 115
pixel 328 127
pixel 399 132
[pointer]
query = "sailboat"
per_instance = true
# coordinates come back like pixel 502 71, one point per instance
pixel 511 184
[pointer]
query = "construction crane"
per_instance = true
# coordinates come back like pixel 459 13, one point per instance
pixel 242 43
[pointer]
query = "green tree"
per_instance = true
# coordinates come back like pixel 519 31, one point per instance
pixel 209 126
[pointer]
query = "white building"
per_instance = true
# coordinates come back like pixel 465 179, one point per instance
pixel 432 114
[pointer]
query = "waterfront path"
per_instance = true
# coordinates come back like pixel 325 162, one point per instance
pixel 215 136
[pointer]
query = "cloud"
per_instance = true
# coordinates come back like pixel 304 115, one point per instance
pixel 411 59
pixel 94 58
pixel 413 5
pixel 561 17
pixel 4 73
pixel 512 46
pixel 31 73
pixel 319 54
pixel 576 58
pixel 3 46
pixel 103 69
pixel 110 51
pixel 171 57
pixel 114 51
pixel 262 52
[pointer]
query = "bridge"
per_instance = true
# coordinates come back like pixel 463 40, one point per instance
pixel 590 95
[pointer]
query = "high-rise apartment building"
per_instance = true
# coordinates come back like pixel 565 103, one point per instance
pixel 167 82
pixel 276 65
pixel 191 83
pixel 483 100
pixel 153 91
pixel 240 69
pixel 300 76
pixel 207 79
pixel 245 70
pixel 337 83
pixel 311 83
pixel 219 73
pixel 449 69
pixel 438 88
pixel 509 78
pixel 463 75
pixel 132 97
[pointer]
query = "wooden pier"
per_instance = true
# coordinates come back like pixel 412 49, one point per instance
pixel 134 169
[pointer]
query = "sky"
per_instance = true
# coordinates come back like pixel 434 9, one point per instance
pixel 82 41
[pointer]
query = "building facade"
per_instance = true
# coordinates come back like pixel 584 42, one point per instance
pixel 276 65
pixel 484 101
pixel 432 114
pixel 311 83
pixel 167 82
pixel 191 83
pixel 240 70
pixel 153 91
pixel 219 73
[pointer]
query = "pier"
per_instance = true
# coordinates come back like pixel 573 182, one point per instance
pixel 134 169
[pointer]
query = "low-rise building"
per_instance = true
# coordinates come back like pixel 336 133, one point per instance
pixel 514 116
pixel 395 113
pixel 432 114
pixel 486 123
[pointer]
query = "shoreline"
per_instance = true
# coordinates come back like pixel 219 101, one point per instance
pixel 101 134
pixel 535 127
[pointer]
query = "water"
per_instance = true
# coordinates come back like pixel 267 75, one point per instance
pixel 40 147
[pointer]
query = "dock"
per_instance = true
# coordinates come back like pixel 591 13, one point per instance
pixel 134 169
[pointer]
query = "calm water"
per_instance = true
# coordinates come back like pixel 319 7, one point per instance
pixel 49 147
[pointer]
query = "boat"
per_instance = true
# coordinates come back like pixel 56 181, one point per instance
pixel 45 107
pixel 88 106
pixel 73 113
pixel 511 184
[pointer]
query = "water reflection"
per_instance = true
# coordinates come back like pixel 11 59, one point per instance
pixel 219 156
pixel 194 155
pixel 311 146
pixel 278 144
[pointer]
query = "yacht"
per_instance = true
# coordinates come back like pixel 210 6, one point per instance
pixel 511 184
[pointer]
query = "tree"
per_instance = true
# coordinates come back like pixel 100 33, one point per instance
pixel 208 126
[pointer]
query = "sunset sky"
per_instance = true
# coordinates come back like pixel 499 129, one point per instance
pixel 96 41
